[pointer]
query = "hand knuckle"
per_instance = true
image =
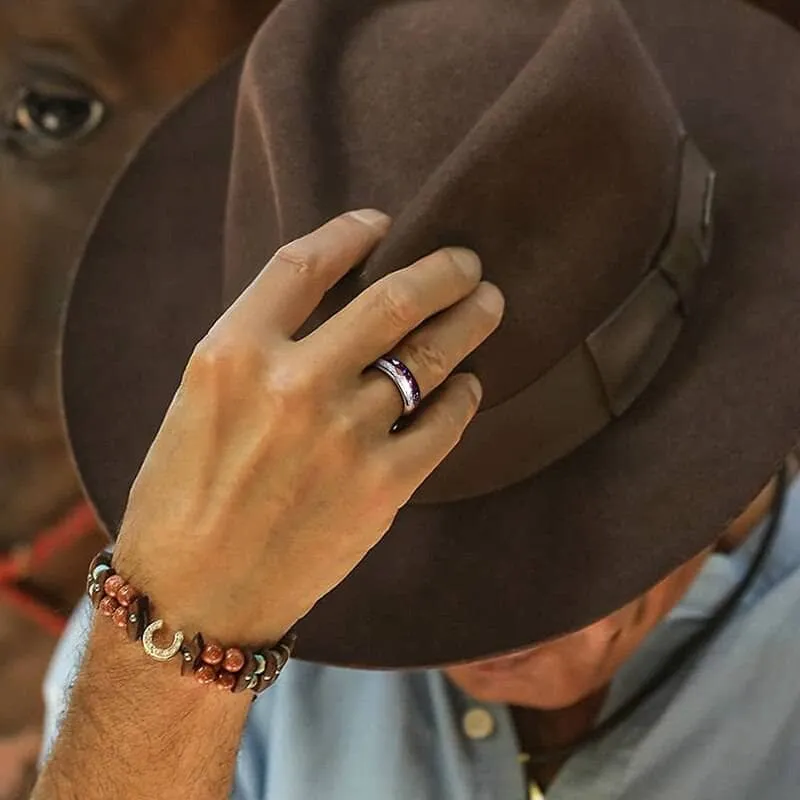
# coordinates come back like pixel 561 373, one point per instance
pixel 398 304
pixel 429 359
pixel 219 359
pixel 293 387
pixel 201 364
pixel 298 257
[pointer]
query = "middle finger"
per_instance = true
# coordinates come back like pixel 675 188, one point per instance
pixel 386 312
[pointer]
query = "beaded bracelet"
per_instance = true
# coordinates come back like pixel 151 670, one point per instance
pixel 235 669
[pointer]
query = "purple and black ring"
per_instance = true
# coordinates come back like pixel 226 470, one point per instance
pixel 402 377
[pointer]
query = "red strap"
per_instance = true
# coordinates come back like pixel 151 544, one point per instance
pixel 50 620
pixel 78 522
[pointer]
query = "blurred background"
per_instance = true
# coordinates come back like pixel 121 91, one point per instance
pixel 81 83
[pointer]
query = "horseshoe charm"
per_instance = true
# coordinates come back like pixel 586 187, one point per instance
pixel 160 653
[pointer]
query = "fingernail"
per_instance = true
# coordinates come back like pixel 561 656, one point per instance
pixel 490 298
pixel 371 216
pixel 467 260
pixel 475 387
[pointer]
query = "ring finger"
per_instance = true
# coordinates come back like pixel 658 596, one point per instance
pixel 431 353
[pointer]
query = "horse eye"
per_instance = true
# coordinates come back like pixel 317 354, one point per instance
pixel 56 118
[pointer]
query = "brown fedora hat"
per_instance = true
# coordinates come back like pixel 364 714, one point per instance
pixel 639 393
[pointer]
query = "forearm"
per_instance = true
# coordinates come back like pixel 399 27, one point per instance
pixel 137 729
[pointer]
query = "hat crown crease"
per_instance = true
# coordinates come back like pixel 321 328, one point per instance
pixel 566 190
pixel 562 171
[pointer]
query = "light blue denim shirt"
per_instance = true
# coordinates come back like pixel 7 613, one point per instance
pixel 727 727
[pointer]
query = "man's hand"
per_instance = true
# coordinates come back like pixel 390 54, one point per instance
pixel 275 471
pixel 273 474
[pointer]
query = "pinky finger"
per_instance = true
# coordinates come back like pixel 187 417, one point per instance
pixel 415 452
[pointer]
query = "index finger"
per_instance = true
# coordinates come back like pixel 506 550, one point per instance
pixel 293 282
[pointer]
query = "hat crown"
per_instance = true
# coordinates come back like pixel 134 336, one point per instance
pixel 537 133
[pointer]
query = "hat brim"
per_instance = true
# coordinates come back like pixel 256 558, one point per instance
pixel 464 580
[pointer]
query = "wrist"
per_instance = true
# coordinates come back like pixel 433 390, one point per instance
pixel 134 725
pixel 229 666
pixel 133 678
pixel 188 599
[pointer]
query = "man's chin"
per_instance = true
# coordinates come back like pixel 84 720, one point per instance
pixel 543 692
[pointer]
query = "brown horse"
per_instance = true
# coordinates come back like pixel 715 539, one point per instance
pixel 81 82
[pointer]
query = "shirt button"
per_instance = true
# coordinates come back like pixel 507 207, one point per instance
pixel 478 723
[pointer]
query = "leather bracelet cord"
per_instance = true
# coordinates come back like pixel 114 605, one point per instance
pixel 235 669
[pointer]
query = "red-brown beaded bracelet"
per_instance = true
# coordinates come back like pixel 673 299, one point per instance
pixel 233 668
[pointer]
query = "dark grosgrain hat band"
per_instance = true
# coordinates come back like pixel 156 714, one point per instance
pixel 601 377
